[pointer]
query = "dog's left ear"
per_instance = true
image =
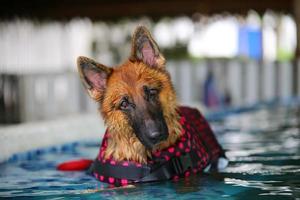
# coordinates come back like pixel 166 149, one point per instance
pixel 145 49
pixel 94 76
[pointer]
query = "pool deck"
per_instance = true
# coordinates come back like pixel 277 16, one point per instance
pixel 34 135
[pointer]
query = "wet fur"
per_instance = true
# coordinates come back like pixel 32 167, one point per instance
pixel 128 79
pixel 123 144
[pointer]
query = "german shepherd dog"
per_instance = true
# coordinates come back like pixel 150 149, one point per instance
pixel 137 102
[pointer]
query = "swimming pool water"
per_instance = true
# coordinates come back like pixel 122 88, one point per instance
pixel 263 147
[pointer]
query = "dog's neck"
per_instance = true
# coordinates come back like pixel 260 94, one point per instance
pixel 124 145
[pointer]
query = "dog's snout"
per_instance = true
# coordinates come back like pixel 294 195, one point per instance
pixel 151 126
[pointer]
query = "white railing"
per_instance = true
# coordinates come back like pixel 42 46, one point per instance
pixel 247 82
pixel 39 96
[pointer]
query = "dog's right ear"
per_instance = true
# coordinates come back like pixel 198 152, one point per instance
pixel 145 49
pixel 93 76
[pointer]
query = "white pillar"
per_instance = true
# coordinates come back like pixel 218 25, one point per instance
pixel 285 80
pixel 185 81
pixel 252 81
pixel 234 81
pixel 268 81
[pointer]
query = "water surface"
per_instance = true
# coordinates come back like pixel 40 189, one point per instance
pixel 263 147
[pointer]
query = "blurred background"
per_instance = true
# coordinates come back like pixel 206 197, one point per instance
pixel 237 61
pixel 220 54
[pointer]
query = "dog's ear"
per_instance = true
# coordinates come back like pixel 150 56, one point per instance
pixel 94 76
pixel 145 49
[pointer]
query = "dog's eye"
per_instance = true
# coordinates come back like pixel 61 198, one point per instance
pixel 124 104
pixel 151 93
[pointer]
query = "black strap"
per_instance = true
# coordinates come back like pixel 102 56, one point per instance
pixel 157 172
pixel 175 166
pixel 119 171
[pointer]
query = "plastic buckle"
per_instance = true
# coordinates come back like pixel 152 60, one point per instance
pixel 182 163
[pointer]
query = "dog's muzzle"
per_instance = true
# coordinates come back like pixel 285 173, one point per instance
pixel 152 132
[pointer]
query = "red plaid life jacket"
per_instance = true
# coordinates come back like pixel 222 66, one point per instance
pixel 193 152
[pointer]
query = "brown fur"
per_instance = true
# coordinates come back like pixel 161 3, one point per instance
pixel 128 79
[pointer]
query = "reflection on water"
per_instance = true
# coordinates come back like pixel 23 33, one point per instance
pixel 263 148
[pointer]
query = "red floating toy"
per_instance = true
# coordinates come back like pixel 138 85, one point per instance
pixel 75 165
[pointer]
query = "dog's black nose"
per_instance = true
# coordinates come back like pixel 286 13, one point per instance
pixel 154 135
pixel 155 132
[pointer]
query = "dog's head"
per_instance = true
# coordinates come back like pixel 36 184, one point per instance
pixel 136 96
